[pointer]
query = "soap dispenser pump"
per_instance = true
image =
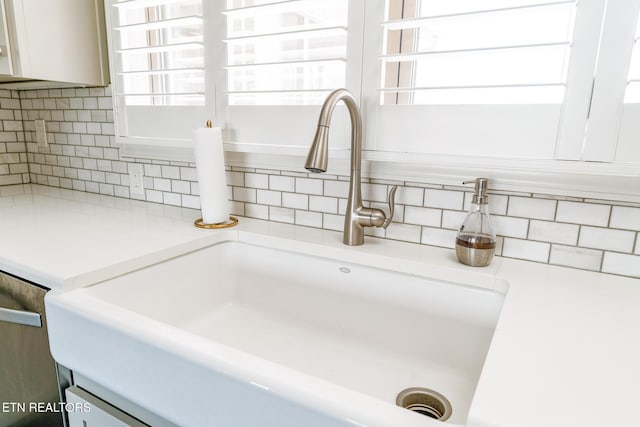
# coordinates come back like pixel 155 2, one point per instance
pixel 476 240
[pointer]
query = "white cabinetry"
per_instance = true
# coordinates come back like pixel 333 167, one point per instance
pixel 53 43
pixel 89 411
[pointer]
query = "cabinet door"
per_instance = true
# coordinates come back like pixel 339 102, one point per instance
pixel 59 40
pixel 27 370
pixel 86 410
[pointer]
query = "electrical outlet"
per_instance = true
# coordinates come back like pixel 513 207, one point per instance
pixel 136 179
pixel 41 134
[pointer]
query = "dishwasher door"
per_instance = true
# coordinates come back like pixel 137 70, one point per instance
pixel 27 370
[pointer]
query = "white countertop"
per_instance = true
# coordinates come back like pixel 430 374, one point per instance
pixel 565 352
pixel 65 239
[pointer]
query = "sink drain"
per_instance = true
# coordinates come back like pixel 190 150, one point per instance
pixel 426 402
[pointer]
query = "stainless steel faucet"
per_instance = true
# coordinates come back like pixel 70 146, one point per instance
pixel 357 216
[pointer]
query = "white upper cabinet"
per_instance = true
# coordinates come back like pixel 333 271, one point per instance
pixel 53 43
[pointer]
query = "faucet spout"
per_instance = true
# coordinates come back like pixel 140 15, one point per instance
pixel 357 216
pixel 318 157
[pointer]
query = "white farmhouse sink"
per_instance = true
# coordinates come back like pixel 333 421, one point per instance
pixel 242 335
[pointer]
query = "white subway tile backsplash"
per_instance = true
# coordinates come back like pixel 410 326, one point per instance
pixel 308 218
pixel 10 179
pixel 281 214
pixel 244 194
pixel 122 191
pixel 268 197
pixel 336 188
pixel 152 195
pixel 96 176
pixel 192 202
pixel 583 213
pixel 170 172
pixel 572 256
pixel 195 190
pixel 554 232
pixel 149 170
pixel 295 201
pixel 78 185
pixel 236 208
pixel 342 208
pixel 189 174
pixel 444 199
pixel 256 211
pixel 510 227
pixel 498 204
pixel 525 249
pixel 627 218
pixel 607 239
pixel 323 204
pixel 410 196
pixel 94 187
pixel 308 186
pixel 182 187
pixel 422 216
pixel 161 184
pixel 90 163
pixel 438 237
pixel 255 180
pixel 112 178
pixel 527 207
pixel 622 264
pixel 333 222
pixel 268 171
pixel 404 232
pixel 374 192
pixel 453 219
pixel 83 174
pixel 106 189
pixel 281 183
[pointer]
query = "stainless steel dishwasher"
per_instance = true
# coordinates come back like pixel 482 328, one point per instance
pixel 27 370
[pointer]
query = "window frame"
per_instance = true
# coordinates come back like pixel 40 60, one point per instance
pixel 161 119
pixel 498 131
pixel 257 128
pixel 564 174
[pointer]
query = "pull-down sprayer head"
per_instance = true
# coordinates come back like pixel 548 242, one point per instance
pixel 318 157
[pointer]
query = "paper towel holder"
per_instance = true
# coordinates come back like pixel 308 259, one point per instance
pixel 232 219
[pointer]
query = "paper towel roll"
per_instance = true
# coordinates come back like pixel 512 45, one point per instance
pixel 209 154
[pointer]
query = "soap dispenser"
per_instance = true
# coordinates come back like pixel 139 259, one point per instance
pixel 476 240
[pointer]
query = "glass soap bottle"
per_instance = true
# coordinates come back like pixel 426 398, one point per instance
pixel 476 240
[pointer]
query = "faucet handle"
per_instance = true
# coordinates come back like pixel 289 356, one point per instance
pixel 392 206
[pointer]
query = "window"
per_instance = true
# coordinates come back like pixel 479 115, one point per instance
pixel 283 59
pixel 470 78
pixel 469 52
pixel 285 52
pixel 517 82
pixel 158 69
